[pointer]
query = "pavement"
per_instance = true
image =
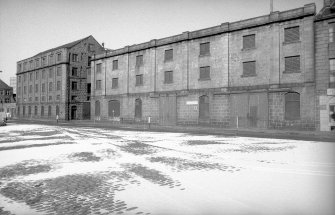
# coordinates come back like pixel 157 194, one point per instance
pixel 327 136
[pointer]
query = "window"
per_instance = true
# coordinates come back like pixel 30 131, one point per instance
pixel 43 98
pixel 138 108
pixel 31 64
pixel 43 87
pixel 204 73
pixel 37 63
pixel 139 80
pixel 25 77
pixel 50 59
pixel 36 88
pixel 59 57
pixel 50 98
pixel 50 86
pixel 114 108
pixel 204 49
pixel 59 71
pixel 25 90
pixel 50 73
pixel 36 75
pixel 58 97
pixel 74 57
pixel 89 58
pixel 331 32
pixel 74 98
pixel 90 47
pixel 292 64
pixel 35 110
pixel 49 111
pixel 99 68
pixel 115 83
pixel 292 106
pixel 168 55
pixel 43 74
pixel 332 64
pixel 44 61
pixel 249 41
pixel 139 60
pixel 88 88
pixel 19 91
pixel 74 71
pixel 74 85
pixel 30 76
pixel 7 100
pixel 204 108
pixel 29 110
pixel 98 85
pixel 19 67
pixel 58 85
pixel 30 99
pixel 19 79
pixel 115 64
pixel 291 34
pixel 30 88
pixel 249 69
pixel 168 77
pixel 57 110
pixel 36 99
pixel 42 110
pixel 97 108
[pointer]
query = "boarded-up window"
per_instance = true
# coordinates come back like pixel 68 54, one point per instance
pixel 49 111
pixel 204 107
pixel 204 73
pixel 291 34
pixel 168 77
pixel 139 60
pixel 332 32
pixel 139 80
pixel 168 55
pixel 292 64
pixel 138 108
pixel 99 68
pixel 98 84
pixel 114 108
pixel 97 108
pixel 204 48
pixel 292 106
pixel 249 41
pixel 115 83
pixel 115 64
pixel 249 68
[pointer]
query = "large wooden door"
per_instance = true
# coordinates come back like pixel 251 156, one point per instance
pixel 168 110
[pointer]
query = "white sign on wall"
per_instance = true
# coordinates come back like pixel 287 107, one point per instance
pixel 192 102
pixel 331 92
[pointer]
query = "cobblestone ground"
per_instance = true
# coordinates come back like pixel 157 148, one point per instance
pixel 63 170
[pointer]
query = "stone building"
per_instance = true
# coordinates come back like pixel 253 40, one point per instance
pixel 57 81
pixel 325 65
pixel 7 100
pixel 257 72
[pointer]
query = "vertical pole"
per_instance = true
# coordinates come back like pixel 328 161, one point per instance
pixel 237 122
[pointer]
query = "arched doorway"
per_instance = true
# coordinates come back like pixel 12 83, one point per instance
pixel 204 109
pixel 138 108
pixel 114 108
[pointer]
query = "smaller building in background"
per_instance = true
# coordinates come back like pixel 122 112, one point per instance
pixel 12 83
pixel 7 100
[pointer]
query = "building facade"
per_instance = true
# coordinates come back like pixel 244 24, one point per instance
pixel 12 83
pixel 57 81
pixel 325 65
pixel 255 73
pixel 7 100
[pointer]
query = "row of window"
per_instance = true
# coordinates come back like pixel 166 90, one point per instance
pixel 43 99
pixel 6 100
pixel 36 110
pixel 43 88
pixel 4 92
pixel 37 74
pixel 38 62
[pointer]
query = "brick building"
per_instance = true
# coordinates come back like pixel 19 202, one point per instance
pixel 7 100
pixel 57 81
pixel 257 72
pixel 325 65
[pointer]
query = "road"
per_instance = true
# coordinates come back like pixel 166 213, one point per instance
pixel 47 169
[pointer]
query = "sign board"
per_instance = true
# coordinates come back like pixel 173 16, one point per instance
pixel 331 92
pixel 192 102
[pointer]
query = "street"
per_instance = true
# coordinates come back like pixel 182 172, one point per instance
pixel 47 169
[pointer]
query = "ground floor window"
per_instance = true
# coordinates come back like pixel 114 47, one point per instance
pixel 42 110
pixel 49 111
pixel 114 108
pixel 292 106
pixel 35 110
pixel 138 108
pixel 97 108
pixel 204 107
pixel 57 110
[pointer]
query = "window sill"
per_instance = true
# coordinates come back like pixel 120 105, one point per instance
pixel 291 72
pixel 204 79
pixel 205 55
pixel 114 88
pixel 168 83
pixel 248 49
pixel 138 85
pixel 248 76
pixel 168 61
pixel 293 42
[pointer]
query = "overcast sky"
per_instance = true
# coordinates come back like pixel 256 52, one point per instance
pixel 28 27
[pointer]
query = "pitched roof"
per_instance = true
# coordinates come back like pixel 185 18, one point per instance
pixel 68 45
pixel 328 11
pixel 3 85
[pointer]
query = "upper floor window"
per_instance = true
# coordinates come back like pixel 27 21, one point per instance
pixel 204 49
pixel 31 64
pixel 204 73
pixel 168 55
pixel 292 64
pixel 98 85
pixel 249 41
pixel 59 71
pixel 25 66
pixel 89 58
pixel 43 87
pixel 115 64
pixel 19 67
pixel 168 77
pixel 50 73
pixel 90 47
pixel 30 76
pixel 50 86
pixel 58 85
pixel 332 64
pixel 59 57
pixel 291 34
pixel 44 61
pixel 74 71
pixel 36 75
pixel 99 68
pixel 249 69
pixel 115 83
pixel 19 79
pixel 74 85
pixel 139 60
pixel 50 59
pixel 74 57
pixel 25 77
pixel 37 63
pixel 36 88
pixel 139 80
pixel 43 74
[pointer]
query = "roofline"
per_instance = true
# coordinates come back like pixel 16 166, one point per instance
pixel 274 17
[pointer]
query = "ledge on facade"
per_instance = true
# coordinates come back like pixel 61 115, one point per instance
pixel 291 72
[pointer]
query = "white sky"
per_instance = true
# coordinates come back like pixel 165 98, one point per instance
pixel 29 27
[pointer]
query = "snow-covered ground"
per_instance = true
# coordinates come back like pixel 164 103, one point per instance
pixel 63 170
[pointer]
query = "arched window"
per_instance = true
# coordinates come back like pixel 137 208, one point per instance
pixel 42 110
pixel 97 108
pixel 35 110
pixel 138 108
pixel 57 110
pixel 114 108
pixel 204 107
pixel 49 111
pixel 292 106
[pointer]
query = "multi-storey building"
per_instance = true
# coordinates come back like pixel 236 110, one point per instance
pixel 12 83
pixel 325 65
pixel 7 100
pixel 257 72
pixel 54 82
